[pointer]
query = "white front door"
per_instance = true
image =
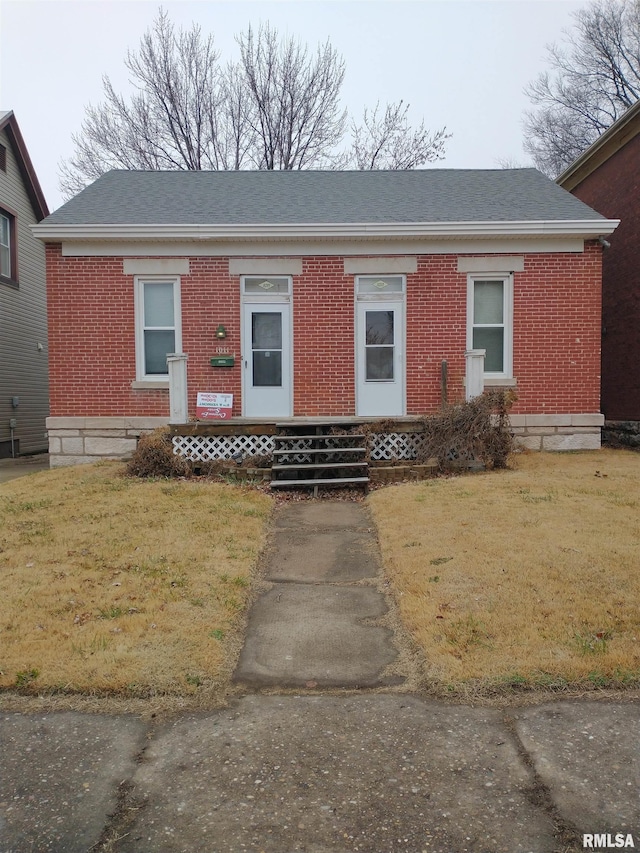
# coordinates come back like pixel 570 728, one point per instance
pixel 380 358
pixel 266 366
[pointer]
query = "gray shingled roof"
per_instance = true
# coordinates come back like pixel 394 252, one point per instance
pixel 304 197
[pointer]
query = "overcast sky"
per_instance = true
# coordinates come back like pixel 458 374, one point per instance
pixel 459 63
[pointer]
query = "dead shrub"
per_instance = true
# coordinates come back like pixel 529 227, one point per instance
pixel 210 467
pixel 479 430
pixel 154 457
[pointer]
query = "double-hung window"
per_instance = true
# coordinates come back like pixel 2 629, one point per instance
pixel 7 247
pixel 490 322
pixel 158 326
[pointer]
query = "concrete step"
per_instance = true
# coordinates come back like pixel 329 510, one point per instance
pixel 321 481
pixel 307 450
pixel 308 437
pixel 318 466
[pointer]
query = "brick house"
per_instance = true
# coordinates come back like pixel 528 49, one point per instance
pixel 24 391
pixel 607 177
pixel 321 294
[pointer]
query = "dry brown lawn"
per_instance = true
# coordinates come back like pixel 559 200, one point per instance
pixel 119 585
pixel 529 576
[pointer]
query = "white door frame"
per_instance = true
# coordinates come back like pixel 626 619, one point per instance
pixel 384 398
pixel 267 402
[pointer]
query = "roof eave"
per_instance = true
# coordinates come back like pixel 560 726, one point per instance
pixel 9 124
pixel 605 146
pixel 584 228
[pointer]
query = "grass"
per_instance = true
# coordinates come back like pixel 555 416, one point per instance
pixel 523 578
pixel 115 585
pixel 526 577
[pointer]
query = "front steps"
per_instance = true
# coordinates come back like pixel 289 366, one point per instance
pixel 314 456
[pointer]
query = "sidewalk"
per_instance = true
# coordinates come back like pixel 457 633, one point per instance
pixel 10 469
pixel 349 763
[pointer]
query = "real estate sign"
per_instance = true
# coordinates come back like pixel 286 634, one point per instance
pixel 213 406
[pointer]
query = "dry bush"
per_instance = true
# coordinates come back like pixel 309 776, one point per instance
pixel 477 430
pixel 154 457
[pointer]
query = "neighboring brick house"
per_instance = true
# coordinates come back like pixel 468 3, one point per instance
pixel 607 177
pixel 337 293
pixel 24 392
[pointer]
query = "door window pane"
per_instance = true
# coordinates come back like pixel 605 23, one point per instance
pixel 379 327
pixel 157 343
pixel 488 302
pixel 158 304
pixel 267 368
pixel 491 340
pixel 379 363
pixel 266 330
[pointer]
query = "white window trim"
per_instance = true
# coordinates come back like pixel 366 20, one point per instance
pixel 507 279
pixel 394 296
pixel 266 296
pixel 139 282
pixel 9 247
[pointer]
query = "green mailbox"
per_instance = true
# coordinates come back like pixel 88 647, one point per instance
pixel 223 361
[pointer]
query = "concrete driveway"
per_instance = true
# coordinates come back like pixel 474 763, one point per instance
pixel 10 469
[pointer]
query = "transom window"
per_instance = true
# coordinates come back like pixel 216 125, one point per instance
pixel 381 285
pixel 158 325
pixel 266 285
pixel 489 311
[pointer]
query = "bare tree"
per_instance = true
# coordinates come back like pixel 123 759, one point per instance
pixel 295 108
pixel 387 141
pixel 278 107
pixel 167 122
pixel 594 78
pixel 233 138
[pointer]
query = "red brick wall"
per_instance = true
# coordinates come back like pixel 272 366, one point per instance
pixel 92 335
pixel 614 191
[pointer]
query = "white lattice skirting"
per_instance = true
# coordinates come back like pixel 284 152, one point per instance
pixel 396 445
pixel 204 448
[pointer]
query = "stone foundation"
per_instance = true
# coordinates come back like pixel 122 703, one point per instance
pixel 73 441
pixel 558 432
pixel 622 434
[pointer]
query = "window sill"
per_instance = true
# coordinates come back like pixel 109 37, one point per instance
pixel 151 385
pixel 499 382
pixel 496 382
pixel 9 282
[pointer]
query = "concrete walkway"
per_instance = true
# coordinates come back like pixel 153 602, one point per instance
pixel 11 469
pixel 374 770
pixel 317 623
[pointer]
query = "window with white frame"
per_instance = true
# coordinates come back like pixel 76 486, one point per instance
pixel 490 321
pixel 158 327
pixel 7 246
